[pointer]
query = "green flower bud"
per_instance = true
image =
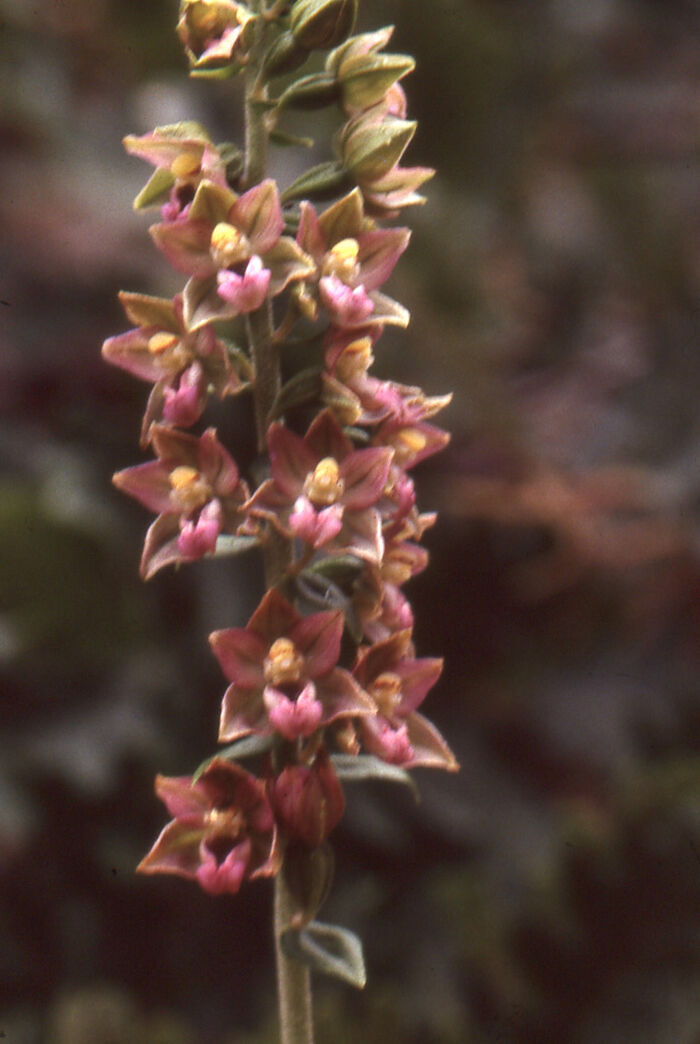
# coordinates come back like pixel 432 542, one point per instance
pixel 365 78
pixel 371 151
pixel 316 24
pixel 284 56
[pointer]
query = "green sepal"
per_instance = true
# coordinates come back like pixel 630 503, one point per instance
pixel 321 182
pixel 303 387
pixel 145 310
pixel 328 949
pixel 367 77
pixel 156 190
pixel 316 91
pixel 355 768
pixel 248 747
pixel 379 148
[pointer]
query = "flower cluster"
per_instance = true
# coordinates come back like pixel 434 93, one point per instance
pixel 326 665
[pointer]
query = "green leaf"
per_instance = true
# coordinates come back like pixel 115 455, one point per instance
pixel 328 949
pixel 355 768
pixel 248 747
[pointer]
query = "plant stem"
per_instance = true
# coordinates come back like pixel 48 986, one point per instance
pixel 293 978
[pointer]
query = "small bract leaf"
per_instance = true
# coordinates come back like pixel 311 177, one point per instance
pixel 354 768
pixel 303 387
pixel 309 875
pixel 248 747
pixel 282 138
pixel 311 92
pixel 328 949
pixel 321 182
pixel 233 545
pixel 284 56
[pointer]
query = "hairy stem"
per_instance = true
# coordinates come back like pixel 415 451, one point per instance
pixel 293 979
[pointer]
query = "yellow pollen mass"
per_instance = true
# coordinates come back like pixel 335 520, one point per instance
pixel 409 442
pixel 189 489
pixel 226 821
pixel 185 165
pixel 183 477
pixel 225 236
pixel 161 341
pixel 284 664
pixel 385 690
pixel 324 486
pixel 228 244
pixel 341 260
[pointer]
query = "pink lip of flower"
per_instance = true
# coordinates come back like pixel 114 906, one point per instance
pixel 198 538
pixel 183 405
pixel 347 306
pixel 315 527
pixel 247 292
pixel 294 718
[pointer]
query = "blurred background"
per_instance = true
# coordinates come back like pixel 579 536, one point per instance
pixel 550 891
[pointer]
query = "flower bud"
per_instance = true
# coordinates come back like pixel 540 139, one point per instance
pixel 308 802
pixel 370 151
pixel 316 24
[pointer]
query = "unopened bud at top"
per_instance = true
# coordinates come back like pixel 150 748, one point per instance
pixel 316 24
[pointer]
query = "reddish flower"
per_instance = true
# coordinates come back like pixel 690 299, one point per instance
pixel 308 801
pixel 371 146
pixel 225 236
pixel 183 155
pixel 398 684
pixel 353 258
pixel 195 488
pixel 183 365
pixel 323 490
pixel 223 831
pixel 216 33
pixel 284 673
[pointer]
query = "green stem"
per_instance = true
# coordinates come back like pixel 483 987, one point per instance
pixel 293 978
